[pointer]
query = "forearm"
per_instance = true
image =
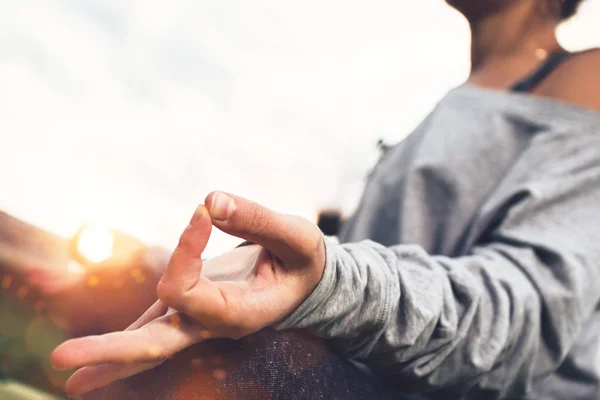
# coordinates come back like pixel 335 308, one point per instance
pixel 435 323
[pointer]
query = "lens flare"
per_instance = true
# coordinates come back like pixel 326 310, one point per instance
pixel 95 243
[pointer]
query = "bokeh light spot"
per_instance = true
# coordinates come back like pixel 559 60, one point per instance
pixel 22 292
pixel 6 281
pixel 154 351
pixel 93 280
pixel 219 374
pixel 95 243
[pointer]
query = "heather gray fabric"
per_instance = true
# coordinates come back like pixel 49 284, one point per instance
pixel 472 266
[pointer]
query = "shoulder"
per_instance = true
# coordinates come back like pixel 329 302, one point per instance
pixel 576 81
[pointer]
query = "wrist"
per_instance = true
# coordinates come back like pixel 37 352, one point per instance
pixel 318 296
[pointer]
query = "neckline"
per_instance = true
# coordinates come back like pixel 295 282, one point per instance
pixel 525 101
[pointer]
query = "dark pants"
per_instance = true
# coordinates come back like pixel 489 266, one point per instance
pixel 266 365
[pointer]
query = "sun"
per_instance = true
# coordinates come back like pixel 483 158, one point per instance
pixel 95 243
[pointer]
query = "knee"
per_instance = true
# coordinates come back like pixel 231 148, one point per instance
pixel 250 368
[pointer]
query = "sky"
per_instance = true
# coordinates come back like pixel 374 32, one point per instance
pixel 128 113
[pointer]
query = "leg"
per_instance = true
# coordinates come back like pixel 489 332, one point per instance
pixel 266 365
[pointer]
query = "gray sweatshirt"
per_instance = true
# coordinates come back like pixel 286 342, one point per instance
pixel 472 265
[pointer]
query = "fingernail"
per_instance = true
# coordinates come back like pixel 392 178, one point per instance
pixel 222 206
pixel 197 214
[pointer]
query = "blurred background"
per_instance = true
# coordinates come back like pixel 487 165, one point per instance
pixel 130 112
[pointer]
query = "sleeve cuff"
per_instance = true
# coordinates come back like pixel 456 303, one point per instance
pixel 318 298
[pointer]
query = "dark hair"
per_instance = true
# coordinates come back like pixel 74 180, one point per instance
pixel 568 8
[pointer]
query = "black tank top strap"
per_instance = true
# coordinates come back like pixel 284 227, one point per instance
pixel 528 83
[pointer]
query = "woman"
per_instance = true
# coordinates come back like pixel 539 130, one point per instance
pixel 481 276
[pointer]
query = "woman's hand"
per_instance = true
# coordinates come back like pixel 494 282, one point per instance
pixel 239 293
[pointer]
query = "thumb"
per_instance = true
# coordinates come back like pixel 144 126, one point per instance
pixel 291 238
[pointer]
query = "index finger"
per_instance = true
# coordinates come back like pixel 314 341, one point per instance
pixel 185 265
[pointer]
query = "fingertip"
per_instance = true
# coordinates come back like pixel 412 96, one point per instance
pixel 221 206
pixel 72 387
pixel 210 197
pixel 208 201
pixel 200 212
pixel 59 358
pixel 73 353
pixel 83 381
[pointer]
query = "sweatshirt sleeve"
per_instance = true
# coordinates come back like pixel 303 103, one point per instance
pixel 489 323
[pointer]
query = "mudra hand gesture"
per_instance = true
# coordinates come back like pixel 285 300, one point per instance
pixel 239 293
